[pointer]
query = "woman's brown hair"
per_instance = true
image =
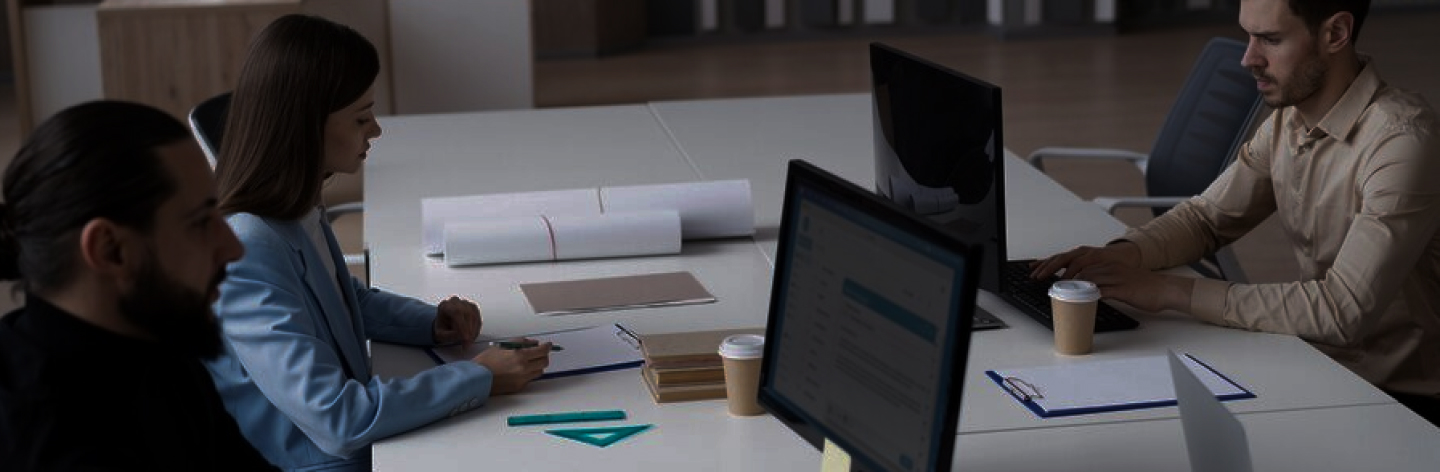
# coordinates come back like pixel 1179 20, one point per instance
pixel 299 70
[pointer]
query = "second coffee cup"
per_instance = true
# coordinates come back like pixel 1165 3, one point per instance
pixel 1073 303
pixel 741 356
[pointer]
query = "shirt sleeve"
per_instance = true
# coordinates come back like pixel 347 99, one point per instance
pixel 1398 215
pixel 394 318
pixel 276 337
pixel 1235 203
pixel 237 453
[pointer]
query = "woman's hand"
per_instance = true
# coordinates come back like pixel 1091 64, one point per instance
pixel 456 321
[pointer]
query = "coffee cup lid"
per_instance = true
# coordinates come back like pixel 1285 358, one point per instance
pixel 1075 291
pixel 743 346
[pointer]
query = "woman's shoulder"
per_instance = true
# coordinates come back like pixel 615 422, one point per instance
pixel 254 230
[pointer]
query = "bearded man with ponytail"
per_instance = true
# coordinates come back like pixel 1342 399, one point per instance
pixel 109 225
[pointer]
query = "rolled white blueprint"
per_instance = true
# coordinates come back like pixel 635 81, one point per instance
pixel 711 209
pixel 616 234
pixel 498 240
pixel 545 238
pixel 715 209
pixel 436 212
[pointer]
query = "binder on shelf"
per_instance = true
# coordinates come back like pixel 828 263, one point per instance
pixel 818 12
pixel 845 11
pixel 672 18
pixel 587 350
pixel 709 15
pixel 775 14
pixel 879 11
pixel 748 15
pixel 932 11
pixel 1105 386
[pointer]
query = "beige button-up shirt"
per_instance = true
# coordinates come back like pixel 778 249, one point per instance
pixel 1358 195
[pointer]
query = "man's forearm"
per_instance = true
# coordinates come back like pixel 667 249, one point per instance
pixel 1176 292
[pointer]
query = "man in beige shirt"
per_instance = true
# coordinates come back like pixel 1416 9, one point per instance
pixel 1348 166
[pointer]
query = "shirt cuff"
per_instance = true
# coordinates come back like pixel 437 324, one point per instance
pixel 479 378
pixel 1207 300
pixel 1149 249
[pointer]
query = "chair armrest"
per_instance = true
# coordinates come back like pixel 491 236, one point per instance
pixel 1036 158
pixel 1110 204
pixel 335 211
pixel 355 259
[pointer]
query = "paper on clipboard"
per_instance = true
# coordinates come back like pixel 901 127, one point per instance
pixel 1112 385
pixel 615 293
pixel 594 349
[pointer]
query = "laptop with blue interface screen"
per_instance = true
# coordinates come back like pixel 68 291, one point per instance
pixel 869 325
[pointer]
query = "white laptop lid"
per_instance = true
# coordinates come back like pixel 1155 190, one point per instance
pixel 1214 438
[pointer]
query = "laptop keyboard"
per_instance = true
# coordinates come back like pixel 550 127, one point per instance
pixel 1035 295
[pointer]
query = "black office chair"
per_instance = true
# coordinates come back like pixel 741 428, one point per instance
pixel 1206 126
pixel 207 123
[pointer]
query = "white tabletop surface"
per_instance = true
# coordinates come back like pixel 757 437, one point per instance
pixel 753 138
pixel 1355 438
pixel 512 151
pixel 474 153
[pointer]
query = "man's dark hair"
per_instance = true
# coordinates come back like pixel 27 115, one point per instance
pixel 93 160
pixel 1315 12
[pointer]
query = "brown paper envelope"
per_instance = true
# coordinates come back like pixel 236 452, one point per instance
pixel 615 293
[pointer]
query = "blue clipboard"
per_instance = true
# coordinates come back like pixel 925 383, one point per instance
pixel 1139 381
pixel 587 350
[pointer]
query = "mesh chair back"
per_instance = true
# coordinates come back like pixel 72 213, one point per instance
pixel 207 122
pixel 1206 125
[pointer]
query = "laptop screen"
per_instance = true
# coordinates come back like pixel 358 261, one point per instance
pixel 939 149
pixel 869 325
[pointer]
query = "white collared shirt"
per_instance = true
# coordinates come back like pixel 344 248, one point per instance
pixel 314 224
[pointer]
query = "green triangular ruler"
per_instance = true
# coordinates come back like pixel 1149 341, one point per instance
pixel 599 437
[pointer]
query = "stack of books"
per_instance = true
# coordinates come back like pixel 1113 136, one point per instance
pixel 686 366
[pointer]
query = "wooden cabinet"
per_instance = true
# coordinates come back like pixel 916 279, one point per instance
pixel 436 55
pixel 587 27
pixel 174 53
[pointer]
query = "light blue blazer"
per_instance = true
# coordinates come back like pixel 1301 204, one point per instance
pixel 295 374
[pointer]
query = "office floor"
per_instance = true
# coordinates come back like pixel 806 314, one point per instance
pixel 1110 91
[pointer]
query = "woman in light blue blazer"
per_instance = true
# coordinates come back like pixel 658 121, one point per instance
pixel 295 373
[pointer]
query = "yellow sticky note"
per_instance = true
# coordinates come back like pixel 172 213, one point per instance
pixel 834 459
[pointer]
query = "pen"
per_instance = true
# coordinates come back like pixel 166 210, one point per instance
pixel 628 336
pixel 522 345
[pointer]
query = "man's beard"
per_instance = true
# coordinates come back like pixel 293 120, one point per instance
pixel 175 315
pixel 1309 78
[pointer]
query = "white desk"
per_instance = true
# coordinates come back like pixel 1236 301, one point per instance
pixel 461 154
pixel 749 138
pixel 752 139
pixel 1353 438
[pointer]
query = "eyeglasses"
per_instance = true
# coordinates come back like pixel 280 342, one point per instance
pixel 1021 389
